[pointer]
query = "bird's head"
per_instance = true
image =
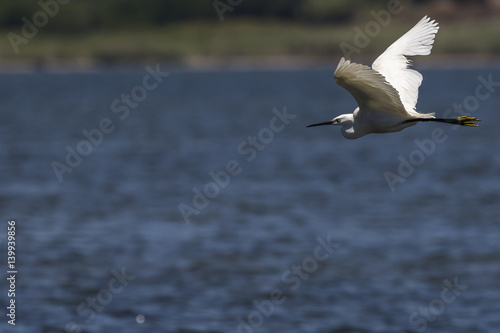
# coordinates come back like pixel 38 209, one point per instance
pixel 342 120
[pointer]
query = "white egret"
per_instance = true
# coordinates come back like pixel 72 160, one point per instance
pixel 387 92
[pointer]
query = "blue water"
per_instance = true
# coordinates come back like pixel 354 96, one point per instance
pixel 301 232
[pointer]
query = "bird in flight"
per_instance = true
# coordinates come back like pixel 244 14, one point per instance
pixel 387 92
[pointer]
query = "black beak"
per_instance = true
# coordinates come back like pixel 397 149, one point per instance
pixel 329 122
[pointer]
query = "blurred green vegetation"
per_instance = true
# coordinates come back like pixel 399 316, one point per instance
pixel 191 31
pixel 91 15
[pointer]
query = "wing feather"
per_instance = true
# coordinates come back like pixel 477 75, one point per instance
pixel 368 87
pixel 393 64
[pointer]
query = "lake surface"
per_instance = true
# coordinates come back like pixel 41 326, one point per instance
pixel 201 203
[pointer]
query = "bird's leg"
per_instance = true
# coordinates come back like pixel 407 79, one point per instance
pixel 463 120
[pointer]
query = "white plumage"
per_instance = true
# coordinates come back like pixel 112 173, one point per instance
pixel 387 93
pixel 393 64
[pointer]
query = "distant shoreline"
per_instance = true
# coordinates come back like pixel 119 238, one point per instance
pixel 274 63
pixel 247 45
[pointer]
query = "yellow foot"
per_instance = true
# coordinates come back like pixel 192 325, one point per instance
pixel 468 121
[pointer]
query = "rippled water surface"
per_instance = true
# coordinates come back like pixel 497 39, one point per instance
pixel 291 229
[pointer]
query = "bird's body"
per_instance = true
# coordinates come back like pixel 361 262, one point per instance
pixel 371 121
pixel 387 92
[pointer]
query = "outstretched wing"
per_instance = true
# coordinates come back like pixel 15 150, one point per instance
pixel 369 87
pixel 393 64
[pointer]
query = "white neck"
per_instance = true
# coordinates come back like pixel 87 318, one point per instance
pixel 348 129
